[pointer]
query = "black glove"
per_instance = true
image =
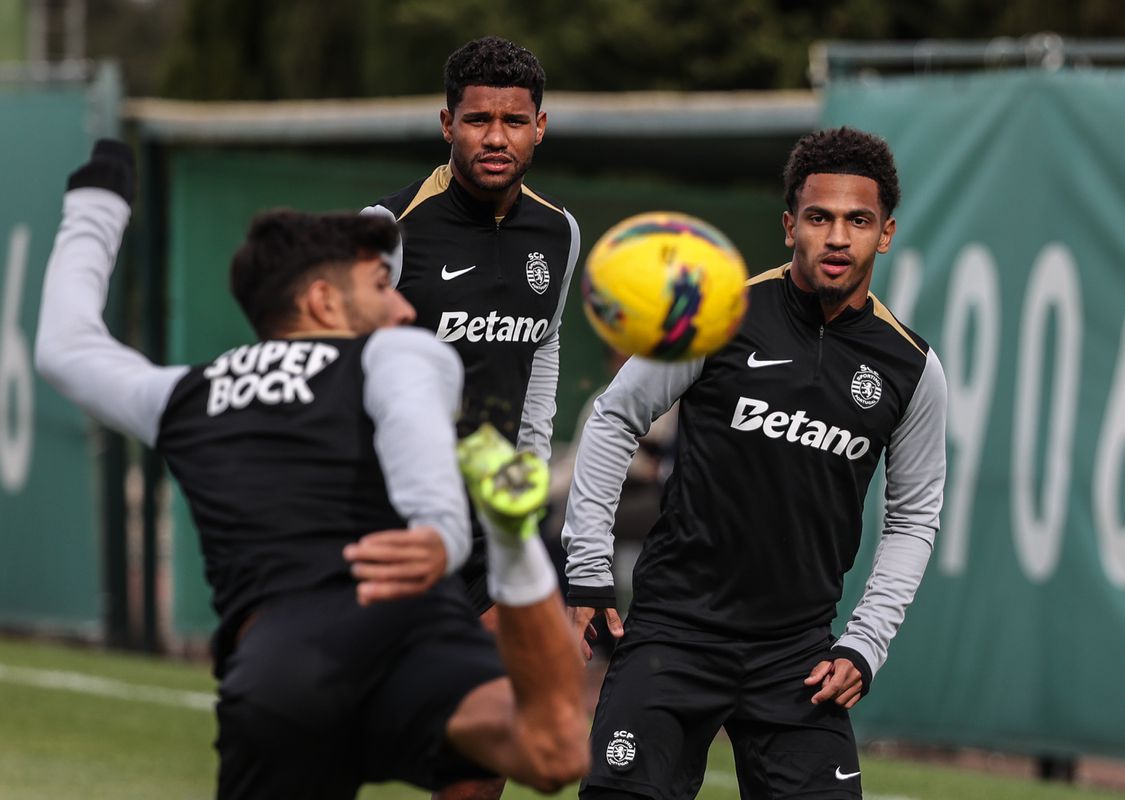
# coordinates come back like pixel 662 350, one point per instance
pixel 110 167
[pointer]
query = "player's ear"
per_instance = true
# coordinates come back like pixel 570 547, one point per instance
pixel 446 117
pixel 886 235
pixel 540 126
pixel 787 223
pixel 322 305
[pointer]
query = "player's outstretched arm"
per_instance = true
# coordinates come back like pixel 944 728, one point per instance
pixel 74 350
pixel 532 725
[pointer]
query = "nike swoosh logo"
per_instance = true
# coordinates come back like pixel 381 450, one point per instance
pixel 446 275
pixel 754 362
pixel 843 776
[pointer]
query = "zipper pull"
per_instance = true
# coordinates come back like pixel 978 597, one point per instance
pixel 819 353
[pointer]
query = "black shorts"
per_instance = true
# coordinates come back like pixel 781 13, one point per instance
pixel 669 690
pixel 322 695
pixel 474 572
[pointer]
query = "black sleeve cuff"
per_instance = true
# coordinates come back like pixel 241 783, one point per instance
pixel 591 596
pixel 860 663
pixel 110 167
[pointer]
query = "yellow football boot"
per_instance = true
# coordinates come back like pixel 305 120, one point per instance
pixel 507 487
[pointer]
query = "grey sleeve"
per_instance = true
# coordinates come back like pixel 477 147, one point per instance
pixel 641 392
pixel 74 350
pixel 915 483
pixel 537 423
pixel 394 260
pixel 412 390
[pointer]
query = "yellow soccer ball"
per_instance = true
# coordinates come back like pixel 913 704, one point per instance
pixel 664 285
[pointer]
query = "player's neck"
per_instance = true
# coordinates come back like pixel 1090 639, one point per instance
pixel 317 334
pixel 501 201
pixel 309 325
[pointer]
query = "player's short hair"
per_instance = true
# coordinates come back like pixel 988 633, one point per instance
pixel 495 62
pixel 285 250
pixel 842 151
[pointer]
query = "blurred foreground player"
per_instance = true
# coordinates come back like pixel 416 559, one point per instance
pixel 334 425
pixel 737 583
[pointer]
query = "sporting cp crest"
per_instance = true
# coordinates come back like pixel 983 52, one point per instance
pixel 622 750
pixel 538 276
pixel 867 387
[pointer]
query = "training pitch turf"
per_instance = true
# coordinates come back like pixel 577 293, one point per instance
pixel 79 723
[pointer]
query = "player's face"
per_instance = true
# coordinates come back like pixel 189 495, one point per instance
pixel 492 134
pixel 835 233
pixel 370 301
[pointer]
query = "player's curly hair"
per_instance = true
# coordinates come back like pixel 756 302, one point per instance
pixel 842 151
pixel 285 250
pixel 496 62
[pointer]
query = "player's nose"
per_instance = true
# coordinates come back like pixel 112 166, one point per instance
pixel 496 135
pixel 404 311
pixel 838 234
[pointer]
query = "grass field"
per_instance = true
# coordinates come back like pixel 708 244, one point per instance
pixel 77 723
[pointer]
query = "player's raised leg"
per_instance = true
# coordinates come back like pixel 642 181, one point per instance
pixel 531 725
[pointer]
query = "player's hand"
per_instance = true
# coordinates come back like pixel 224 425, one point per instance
pixel 839 680
pixel 582 618
pixel 389 565
pixel 111 166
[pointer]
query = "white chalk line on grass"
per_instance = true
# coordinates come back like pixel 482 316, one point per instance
pixel 721 779
pixel 106 687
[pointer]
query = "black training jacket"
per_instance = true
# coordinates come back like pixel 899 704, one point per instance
pixel 780 434
pixel 495 290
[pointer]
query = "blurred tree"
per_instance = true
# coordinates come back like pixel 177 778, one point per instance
pixel 267 49
pixel 135 33
pixel 218 53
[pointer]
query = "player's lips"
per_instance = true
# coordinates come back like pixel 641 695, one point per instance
pixel 835 265
pixel 494 163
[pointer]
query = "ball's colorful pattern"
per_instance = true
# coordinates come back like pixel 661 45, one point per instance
pixel 664 285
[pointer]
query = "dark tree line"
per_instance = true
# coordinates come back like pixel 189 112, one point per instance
pixel 275 49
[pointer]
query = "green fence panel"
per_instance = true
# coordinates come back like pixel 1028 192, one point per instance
pixel 49 523
pixel 214 193
pixel 1010 259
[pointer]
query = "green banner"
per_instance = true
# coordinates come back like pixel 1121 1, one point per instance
pixel 1010 259
pixel 215 193
pixel 49 523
